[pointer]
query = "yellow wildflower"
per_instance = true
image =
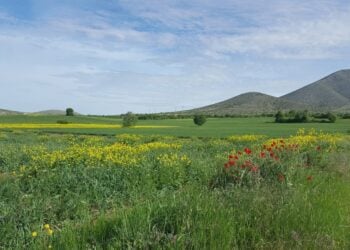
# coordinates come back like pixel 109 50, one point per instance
pixel 34 234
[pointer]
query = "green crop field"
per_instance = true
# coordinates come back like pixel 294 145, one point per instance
pixel 233 183
pixel 215 127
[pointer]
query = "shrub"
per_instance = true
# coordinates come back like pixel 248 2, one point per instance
pixel 62 122
pixel 331 117
pixel 292 117
pixel 129 119
pixel 279 117
pixel 199 120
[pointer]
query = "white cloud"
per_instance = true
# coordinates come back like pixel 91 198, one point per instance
pixel 168 54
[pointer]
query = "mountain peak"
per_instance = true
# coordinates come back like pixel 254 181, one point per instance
pixel 331 92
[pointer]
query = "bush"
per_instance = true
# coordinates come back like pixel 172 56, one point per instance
pixel 199 120
pixel 129 119
pixel 346 116
pixel 331 117
pixel 292 117
pixel 279 117
pixel 62 122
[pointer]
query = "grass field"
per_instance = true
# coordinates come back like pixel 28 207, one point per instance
pixel 215 127
pixel 178 187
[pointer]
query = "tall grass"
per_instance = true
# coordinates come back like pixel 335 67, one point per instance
pixel 158 204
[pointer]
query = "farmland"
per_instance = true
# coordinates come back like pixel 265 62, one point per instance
pixel 215 127
pixel 243 183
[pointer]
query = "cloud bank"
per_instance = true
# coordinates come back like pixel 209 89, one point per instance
pixel 118 56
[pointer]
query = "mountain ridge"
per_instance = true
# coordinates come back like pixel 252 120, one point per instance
pixel 330 93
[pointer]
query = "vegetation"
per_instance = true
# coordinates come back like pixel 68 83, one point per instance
pixel 215 127
pixel 292 117
pixel 302 117
pixel 69 112
pixel 164 192
pixel 129 119
pixel 199 120
pixel 62 122
pixel 345 116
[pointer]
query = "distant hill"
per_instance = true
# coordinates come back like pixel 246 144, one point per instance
pixel 44 112
pixel 329 93
pixel 49 112
pixel 9 112
pixel 249 103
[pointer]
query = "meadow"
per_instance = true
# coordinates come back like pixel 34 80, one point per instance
pixel 240 183
pixel 215 127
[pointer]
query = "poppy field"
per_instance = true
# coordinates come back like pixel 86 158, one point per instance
pixel 133 191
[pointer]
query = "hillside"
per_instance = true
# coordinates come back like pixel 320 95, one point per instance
pixel 329 93
pixel 249 103
pixel 49 112
pixel 9 112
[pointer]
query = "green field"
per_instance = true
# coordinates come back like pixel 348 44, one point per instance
pixel 177 187
pixel 215 127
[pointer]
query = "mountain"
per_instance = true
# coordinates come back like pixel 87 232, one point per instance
pixel 249 103
pixel 329 93
pixel 9 112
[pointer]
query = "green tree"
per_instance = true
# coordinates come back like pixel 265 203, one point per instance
pixel 69 112
pixel 129 119
pixel 199 120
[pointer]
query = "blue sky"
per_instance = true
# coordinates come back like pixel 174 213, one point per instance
pixel 110 57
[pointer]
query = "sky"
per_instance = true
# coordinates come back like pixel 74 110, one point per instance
pixel 145 56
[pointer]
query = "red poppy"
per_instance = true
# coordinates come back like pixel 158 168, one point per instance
pixel 227 165
pixel 231 163
pixel 248 151
pixel 309 178
pixel 318 148
pixel 272 154
pixel 262 154
pixel 230 156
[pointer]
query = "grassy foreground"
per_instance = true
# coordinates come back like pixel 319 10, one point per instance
pixel 164 192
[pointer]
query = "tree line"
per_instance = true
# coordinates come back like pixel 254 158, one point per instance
pixel 304 116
